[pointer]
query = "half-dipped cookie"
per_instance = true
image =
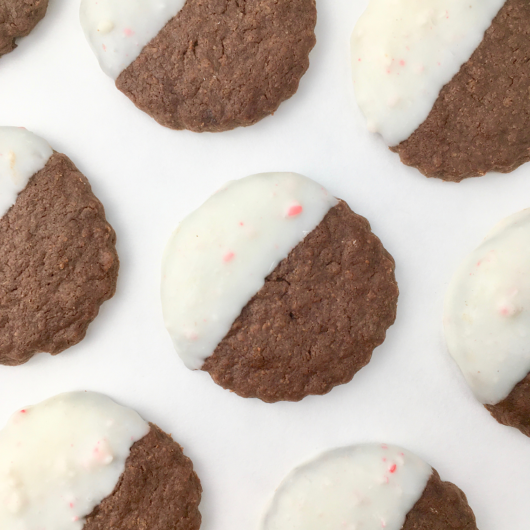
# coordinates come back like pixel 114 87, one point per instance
pixel 79 461
pixel 487 318
pixel 446 83
pixel 58 261
pixel 277 289
pixel 203 65
pixel 367 487
pixel 17 19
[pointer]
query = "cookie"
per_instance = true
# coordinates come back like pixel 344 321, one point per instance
pixel 80 461
pixel 17 19
pixel 277 289
pixel 203 65
pixel 486 321
pixel 370 487
pixel 446 85
pixel 58 260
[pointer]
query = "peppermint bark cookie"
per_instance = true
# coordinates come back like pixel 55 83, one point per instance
pixel 203 65
pixel 79 461
pixel 487 317
pixel 17 19
pixel 277 289
pixel 58 260
pixel 446 84
pixel 369 487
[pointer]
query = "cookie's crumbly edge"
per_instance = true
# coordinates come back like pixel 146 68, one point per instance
pixel 442 506
pixel 17 19
pixel 481 119
pixel 157 491
pixel 514 410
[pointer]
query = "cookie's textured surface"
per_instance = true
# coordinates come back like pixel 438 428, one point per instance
pixel 58 263
pixel 481 119
pixel 157 491
pixel 17 19
pixel 316 320
pixel 220 64
pixel 514 411
pixel 443 506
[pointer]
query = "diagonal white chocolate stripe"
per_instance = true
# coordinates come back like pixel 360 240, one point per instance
pixel 118 30
pixel 220 255
pixel 487 311
pixel 22 154
pixel 365 487
pixel 403 52
pixel 59 459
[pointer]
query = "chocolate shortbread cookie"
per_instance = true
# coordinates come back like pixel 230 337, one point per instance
pixel 79 460
pixel 17 19
pixel 58 261
pixel 206 65
pixel 371 485
pixel 277 289
pixel 460 105
pixel 486 320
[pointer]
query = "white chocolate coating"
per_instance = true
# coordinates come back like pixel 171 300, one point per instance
pixel 59 459
pixel 22 154
pixel 365 487
pixel 219 256
pixel 487 311
pixel 403 52
pixel 118 30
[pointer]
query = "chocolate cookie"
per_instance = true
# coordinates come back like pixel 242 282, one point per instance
pixel 277 324
pixel 476 119
pixel 371 485
pixel 58 259
pixel 158 489
pixel 486 318
pixel 104 467
pixel 17 19
pixel 206 65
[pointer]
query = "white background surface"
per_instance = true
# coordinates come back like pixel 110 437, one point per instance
pixel 149 177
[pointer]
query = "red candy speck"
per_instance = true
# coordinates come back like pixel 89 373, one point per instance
pixel 128 32
pixel 392 468
pixel 229 256
pixel 294 210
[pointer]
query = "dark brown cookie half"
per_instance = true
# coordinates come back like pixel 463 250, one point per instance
pixel 316 320
pixel 58 263
pixel 481 119
pixel 442 506
pixel 17 19
pixel 221 64
pixel 157 491
pixel 514 411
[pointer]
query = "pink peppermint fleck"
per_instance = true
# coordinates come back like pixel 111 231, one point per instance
pixel 294 210
pixel 229 256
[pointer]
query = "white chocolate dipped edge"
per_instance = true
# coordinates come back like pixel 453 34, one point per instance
pixel 59 459
pixel 366 487
pixel 219 256
pixel 118 30
pixel 403 52
pixel 22 154
pixel 487 311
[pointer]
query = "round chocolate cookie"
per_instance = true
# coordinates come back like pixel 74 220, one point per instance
pixel 58 260
pixel 207 65
pixel 79 460
pixel 368 486
pixel 277 289
pixel 158 489
pixel 17 19
pixel 318 318
pixel 456 103
pixel 486 320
